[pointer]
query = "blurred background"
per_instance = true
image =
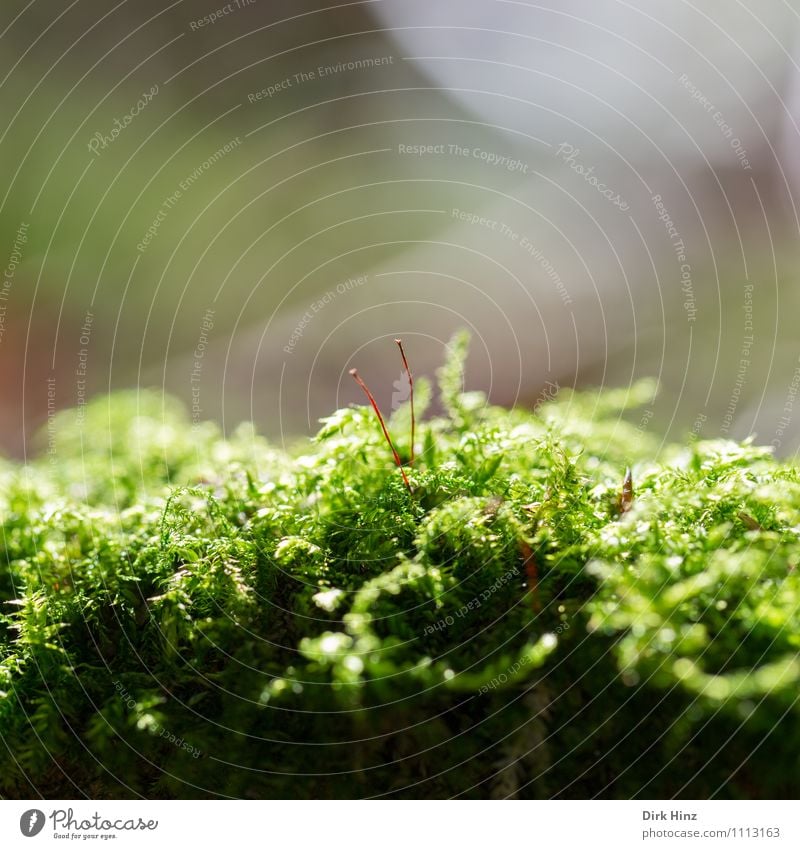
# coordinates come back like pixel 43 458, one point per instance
pixel 238 202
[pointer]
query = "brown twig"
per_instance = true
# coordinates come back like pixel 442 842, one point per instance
pixel 749 522
pixel 625 501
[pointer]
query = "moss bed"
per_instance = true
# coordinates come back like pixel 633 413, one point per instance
pixel 187 615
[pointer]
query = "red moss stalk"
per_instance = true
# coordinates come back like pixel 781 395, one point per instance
pixel 355 375
pixel 410 398
pixel 531 573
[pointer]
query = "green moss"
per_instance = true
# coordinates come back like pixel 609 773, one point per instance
pixel 188 615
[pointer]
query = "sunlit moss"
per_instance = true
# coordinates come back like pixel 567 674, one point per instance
pixel 303 625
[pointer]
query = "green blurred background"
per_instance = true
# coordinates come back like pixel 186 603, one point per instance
pixel 314 189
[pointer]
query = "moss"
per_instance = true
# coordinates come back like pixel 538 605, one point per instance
pixel 190 615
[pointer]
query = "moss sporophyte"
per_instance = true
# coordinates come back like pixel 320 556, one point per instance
pixel 512 614
pixel 355 375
